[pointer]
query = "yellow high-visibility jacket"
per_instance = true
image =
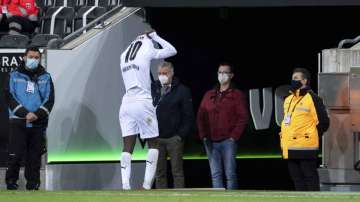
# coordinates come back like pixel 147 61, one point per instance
pixel 299 137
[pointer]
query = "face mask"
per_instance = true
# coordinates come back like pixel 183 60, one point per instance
pixel 295 85
pixel 223 78
pixel 32 63
pixel 163 79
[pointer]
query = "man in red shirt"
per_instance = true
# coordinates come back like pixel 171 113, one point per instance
pixel 22 16
pixel 221 119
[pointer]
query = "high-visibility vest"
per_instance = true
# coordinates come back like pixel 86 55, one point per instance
pixel 299 133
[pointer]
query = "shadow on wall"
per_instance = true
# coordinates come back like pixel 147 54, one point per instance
pixel 85 139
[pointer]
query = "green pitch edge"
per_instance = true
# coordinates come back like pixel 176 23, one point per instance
pixel 138 155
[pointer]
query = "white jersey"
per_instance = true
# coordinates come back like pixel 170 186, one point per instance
pixel 135 63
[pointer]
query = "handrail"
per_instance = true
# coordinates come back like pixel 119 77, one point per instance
pixel 349 41
pixel 58 43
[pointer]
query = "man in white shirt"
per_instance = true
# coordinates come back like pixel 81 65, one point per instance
pixel 137 114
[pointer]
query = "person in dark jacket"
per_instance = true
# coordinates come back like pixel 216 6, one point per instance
pixel 175 117
pixel 29 93
pixel 221 119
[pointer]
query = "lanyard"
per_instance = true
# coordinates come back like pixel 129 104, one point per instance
pixel 287 113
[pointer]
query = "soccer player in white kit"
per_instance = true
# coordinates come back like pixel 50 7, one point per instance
pixel 137 114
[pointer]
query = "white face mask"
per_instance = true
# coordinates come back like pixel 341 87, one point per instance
pixel 31 63
pixel 163 79
pixel 223 78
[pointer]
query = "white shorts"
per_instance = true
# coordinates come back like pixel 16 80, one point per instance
pixel 138 116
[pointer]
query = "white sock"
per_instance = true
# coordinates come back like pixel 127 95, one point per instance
pixel 151 163
pixel 125 170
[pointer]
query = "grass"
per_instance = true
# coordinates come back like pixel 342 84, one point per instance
pixel 175 196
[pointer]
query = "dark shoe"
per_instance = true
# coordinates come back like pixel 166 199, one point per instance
pixel 32 186
pixel 12 186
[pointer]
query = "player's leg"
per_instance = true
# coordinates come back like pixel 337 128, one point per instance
pixel 129 131
pixel 129 143
pixel 149 130
pixel 151 162
pixel 128 148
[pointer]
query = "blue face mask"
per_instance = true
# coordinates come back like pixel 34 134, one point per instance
pixel 32 63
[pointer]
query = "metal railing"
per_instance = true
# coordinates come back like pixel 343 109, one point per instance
pixel 99 22
pixel 349 41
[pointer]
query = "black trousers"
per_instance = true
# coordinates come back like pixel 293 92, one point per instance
pixel 28 143
pixel 304 174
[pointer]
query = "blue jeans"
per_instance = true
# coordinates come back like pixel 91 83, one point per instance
pixel 222 155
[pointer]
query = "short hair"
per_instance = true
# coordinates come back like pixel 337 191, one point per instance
pixel 168 65
pixel 227 64
pixel 305 74
pixel 35 49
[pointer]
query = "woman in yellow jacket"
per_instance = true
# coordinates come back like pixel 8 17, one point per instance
pixel 305 119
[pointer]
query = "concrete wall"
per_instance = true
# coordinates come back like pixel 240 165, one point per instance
pixel 84 122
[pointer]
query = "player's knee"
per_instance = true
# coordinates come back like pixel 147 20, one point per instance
pixel 128 149
pixel 129 144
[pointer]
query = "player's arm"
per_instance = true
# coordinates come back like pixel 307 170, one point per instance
pixel 167 50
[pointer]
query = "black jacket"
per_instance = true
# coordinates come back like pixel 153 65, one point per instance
pixel 174 110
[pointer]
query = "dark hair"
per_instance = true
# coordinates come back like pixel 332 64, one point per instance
pixel 227 64
pixel 35 49
pixel 305 74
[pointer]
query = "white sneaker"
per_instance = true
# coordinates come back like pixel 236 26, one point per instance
pixel 146 186
pixel 126 187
